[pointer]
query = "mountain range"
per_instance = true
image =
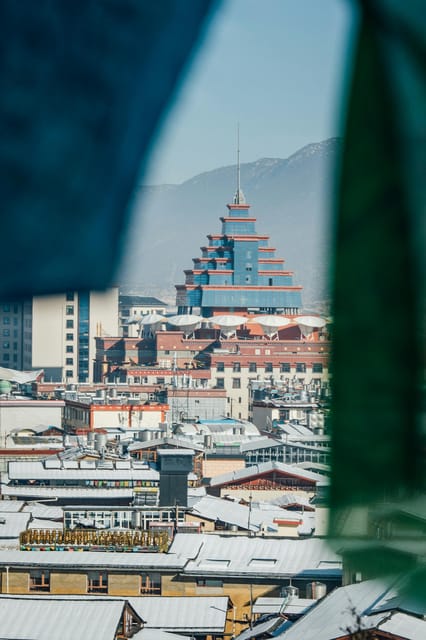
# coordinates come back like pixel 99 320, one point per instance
pixel 291 199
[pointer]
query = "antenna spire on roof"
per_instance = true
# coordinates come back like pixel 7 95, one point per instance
pixel 239 195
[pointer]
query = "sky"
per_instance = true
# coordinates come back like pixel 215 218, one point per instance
pixel 276 67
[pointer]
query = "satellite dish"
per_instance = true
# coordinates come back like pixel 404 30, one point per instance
pixel 307 324
pixel 187 322
pixel 228 324
pixel 151 318
pixel 270 324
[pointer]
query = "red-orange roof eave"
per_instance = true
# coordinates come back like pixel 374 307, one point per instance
pixel 237 236
pixel 235 219
pixel 275 273
pixel 238 206
pixel 255 287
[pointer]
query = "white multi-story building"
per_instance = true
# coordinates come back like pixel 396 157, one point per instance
pixel 56 333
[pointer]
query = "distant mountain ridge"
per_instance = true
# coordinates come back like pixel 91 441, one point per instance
pixel 291 199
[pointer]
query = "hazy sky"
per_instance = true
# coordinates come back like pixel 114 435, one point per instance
pixel 274 66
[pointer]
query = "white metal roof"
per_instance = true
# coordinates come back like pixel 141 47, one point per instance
pixel 44 618
pixel 334 614
pixel 102 559
pixel 44 511
pixel 186 613
pixel 232 513
pixel 31 491
pixel 239 555
pixel 292 606
pixel 158 442
pixel 157 634
pixel 265 467
pixel 35 470
pixel 11 506
pixel 272 627
pixel 11 524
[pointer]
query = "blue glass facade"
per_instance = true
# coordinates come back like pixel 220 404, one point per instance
pixel 238 271
pixel 83 336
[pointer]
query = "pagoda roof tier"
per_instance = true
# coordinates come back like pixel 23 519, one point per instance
pixel 238 206
pixel 238 236
pixel 271 261
pixel 235 219
pixel 223 287
pixel 276 273
pixel 267 249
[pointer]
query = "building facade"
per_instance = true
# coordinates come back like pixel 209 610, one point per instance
pixel 238 272
pixel 56 333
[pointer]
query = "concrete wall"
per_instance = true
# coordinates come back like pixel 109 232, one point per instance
pixel 217 466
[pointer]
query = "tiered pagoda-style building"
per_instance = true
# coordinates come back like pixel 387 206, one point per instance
pixel 238 272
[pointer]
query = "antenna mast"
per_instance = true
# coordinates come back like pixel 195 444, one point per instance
pixel 239 196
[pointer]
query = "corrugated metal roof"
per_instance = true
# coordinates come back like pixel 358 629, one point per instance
pixel 65 492
pixel 102 559
pixel 265 467
pixel 36 470
pixel 334 614
pixel 239 555
pixel 186 613
pixel 44 618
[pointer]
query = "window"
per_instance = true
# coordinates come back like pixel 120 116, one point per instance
pixel 69 309
pixel 220 366
pixel 236 383
pixel 39 580
pixel 70 348
pixel 69 361
pixel 236 368
pixel 150 584
pixel 269 282
pixel 300 367
pixel 70 336
pixel 209 582
pixel 6 356
pixel 220 383
pixel 6 320
pixel 285 367
pixel 6 307
pixel 97 582
pixel 248 279
pixel 15 346
pixel 268 367
pixel 70 296
pixel 248 266
pixel 252 367
pixel 70 324
pixel 317 367
pixel 6 345
pixel 69 373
